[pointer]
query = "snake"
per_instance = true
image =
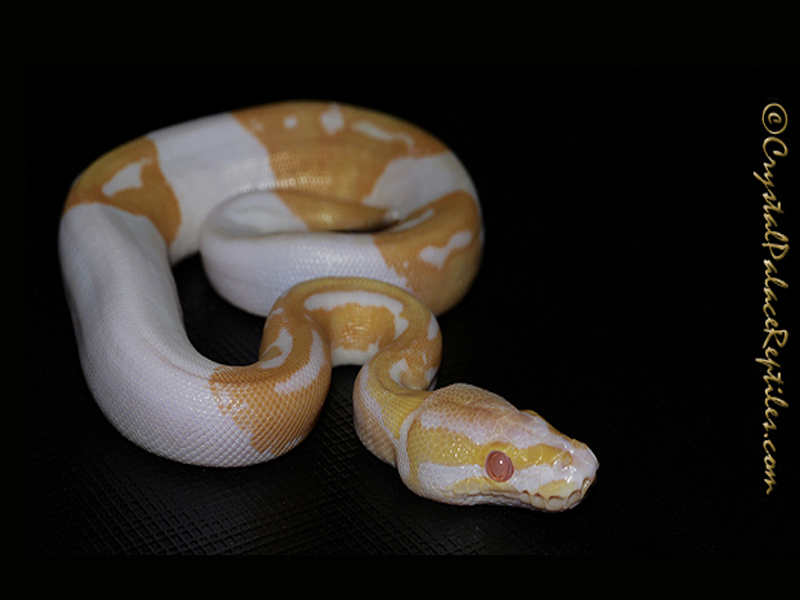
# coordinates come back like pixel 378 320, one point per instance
pixel 349 231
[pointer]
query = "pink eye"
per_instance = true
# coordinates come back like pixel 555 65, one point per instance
pixel 499 466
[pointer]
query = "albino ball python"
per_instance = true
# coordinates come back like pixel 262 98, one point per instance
pixel 350 229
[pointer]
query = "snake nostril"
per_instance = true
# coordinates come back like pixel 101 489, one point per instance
pixel 498 466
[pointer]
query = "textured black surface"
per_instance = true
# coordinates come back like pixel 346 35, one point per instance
pixel 620 297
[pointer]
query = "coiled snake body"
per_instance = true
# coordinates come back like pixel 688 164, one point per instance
pixel 350 229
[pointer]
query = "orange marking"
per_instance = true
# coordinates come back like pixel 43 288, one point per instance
pixel 357 327
pixel 401 250
pixel 274 420
pixel 145 192
pixel 339 161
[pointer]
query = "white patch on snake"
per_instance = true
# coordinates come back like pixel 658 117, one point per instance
pixel 527 431
pixel 376 133
pixel 129 177
pixel 284 344
pixel 438 256
pixel 308 373
pixel 252 275
pixel 352 356
pixel 370 403
pixel 444 476
pixel 397 369
pixel 421 218
pixel 526 481
pixel 332 120
pixel 534 477
pixel 250 216
pixel 410 183
pixel 290 122
pixel 329 301
pixel 433 328
pixel 206 161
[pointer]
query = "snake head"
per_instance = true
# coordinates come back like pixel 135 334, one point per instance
pixel 465 445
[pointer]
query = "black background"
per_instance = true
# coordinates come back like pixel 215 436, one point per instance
pixel 620 296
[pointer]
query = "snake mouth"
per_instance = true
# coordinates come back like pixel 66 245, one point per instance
pixel 535 500
pixel 561 503
pixel 555 502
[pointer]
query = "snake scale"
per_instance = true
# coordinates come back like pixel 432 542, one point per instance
pixel 348 229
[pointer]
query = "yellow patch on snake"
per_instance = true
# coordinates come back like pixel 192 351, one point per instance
pixel 406 375
pixel 461 450
pixel 396 383
pixel 331 150
pixel 439 242
pixel 364 322
pixel 265 399
pixel 129 178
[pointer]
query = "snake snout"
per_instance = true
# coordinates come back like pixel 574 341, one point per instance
pixel 574 481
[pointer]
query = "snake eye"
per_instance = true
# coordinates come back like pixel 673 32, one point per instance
pixel 499 466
